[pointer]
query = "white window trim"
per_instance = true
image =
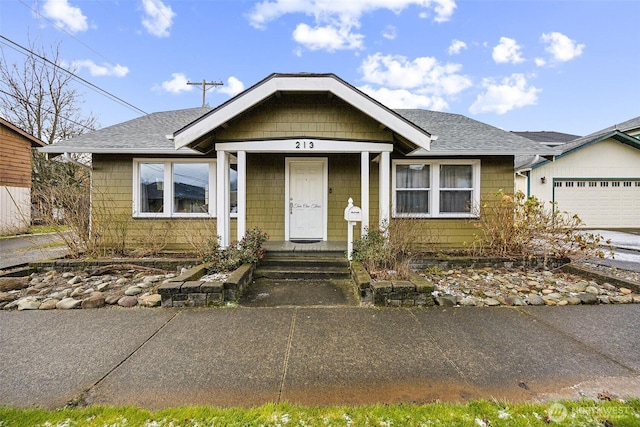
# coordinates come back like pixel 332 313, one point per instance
pixel 434 188
pixel 168 185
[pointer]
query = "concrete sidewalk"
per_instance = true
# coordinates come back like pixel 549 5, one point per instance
pixel 156 358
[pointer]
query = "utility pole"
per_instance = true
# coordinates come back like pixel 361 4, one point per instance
pixel 204 85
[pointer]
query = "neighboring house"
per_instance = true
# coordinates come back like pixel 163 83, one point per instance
pixel 596 177
pixel 15 177
pixel 551 139
pixel 286 154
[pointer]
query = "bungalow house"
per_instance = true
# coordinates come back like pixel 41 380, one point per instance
pixel 286 154
pixel 15 177
pixel 596 177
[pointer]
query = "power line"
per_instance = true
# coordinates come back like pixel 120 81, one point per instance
pixel 204 85
pixel 37 12
pixel 75 76
pixel 51 112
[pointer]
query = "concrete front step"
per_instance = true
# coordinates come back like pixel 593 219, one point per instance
pixel 304 265
pixel 301 272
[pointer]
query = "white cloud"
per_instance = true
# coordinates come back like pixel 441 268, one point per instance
pixel 501 97
pixel 506 51
pixel 334 20
pixel 421 83
pixel 101 70
pixel 64 15
pixel 327 38
pixel 233 87
pixel 456 47
pixel 561 47
pixel 177 84
pixel 402 98
pixel 389 32
pixel 540 62
pixel 158 17
pixel 424 73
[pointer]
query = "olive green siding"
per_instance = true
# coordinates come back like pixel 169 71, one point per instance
pixel 112 213
pixel 312 116
pixel 496 173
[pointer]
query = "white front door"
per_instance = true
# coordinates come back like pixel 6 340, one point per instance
pixel 306 199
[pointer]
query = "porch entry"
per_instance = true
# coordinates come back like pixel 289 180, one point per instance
pixel 306 184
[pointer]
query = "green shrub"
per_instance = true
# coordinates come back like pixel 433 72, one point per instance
pixel 248 250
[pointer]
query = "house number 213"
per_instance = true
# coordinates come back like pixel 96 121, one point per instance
pixel 304 144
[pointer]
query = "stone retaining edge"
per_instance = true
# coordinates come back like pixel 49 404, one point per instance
pixel 600 277
pixel 187 290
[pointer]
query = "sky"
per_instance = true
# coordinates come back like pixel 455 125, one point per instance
pixel 569 66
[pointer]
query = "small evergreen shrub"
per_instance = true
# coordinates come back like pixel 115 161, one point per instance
pixel 248 250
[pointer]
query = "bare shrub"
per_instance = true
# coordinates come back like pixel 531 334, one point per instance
pixel 386 252
pixel 515 227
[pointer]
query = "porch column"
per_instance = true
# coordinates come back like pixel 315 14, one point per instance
pixel 222 197
pixel 384 188
pixel 364 190
pixel 242 194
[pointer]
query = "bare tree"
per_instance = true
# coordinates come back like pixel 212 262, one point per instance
pixel 38 96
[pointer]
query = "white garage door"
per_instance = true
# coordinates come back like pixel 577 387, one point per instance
pixel 601 203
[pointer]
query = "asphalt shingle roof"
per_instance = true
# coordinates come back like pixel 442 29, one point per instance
pixel 145 135
pixel 548 137
pixel 458 134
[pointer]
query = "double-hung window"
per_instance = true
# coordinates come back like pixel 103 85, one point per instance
pixel 174 188
pixel 435 189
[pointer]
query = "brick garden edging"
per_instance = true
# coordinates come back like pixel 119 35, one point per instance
pixel 187 291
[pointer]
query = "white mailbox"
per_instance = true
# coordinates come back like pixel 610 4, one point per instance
pixel 353 213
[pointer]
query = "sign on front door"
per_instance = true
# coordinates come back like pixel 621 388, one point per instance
pixel 307 199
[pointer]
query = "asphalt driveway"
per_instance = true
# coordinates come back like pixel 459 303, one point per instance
pixel 248 356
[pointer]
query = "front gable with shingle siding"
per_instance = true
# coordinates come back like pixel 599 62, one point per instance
pixel 288 153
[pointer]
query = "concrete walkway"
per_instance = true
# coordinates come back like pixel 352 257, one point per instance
pixel 21 250
pixel 157 358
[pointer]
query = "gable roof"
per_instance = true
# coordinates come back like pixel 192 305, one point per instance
pixel 143 135
pixel 275 83
pixel 616 132
pixel 548 137
pixel 437 133
pixel 460 135
pixel 35 142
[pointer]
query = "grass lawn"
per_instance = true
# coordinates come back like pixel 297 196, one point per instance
pixel 478 414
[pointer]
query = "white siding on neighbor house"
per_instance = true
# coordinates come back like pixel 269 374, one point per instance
pixel 15 209
pixel 609 206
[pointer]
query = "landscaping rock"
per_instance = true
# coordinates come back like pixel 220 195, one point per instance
pixel 133 290
pixel 152 300
pixel 49 304
pixel 68 304
pixel 534 300
pixel 588 298
pixel 13 283
pixel 128 301
pixel 28 303
pixel 96 300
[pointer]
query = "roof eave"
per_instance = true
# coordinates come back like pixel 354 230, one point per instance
pixel 302 83
pixel 52 149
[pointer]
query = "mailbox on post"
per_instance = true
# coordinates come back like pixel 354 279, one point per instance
pixel 352 214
